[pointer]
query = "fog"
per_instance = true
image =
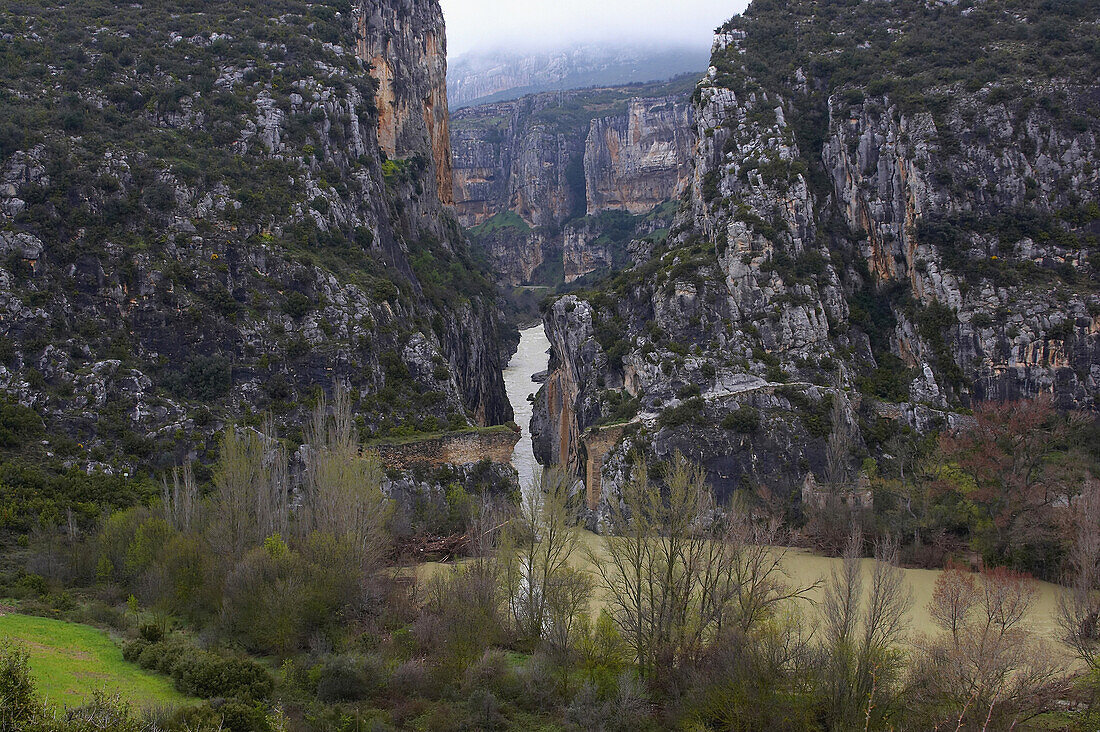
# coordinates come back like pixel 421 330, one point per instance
pixel 489 25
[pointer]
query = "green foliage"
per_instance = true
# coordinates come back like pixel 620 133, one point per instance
pixel 18 425
pixel 621 408
pixel 19 704
pixel 952 236
pixel 44 491
pixel 63 656
pixel 889 380
pixel 908 49
pixel 814 414
pixel 505 220
pixel 689 412
pixel 297 305
pixel 201 673
pixel 744 419
pixel 935 322
pixel 450 277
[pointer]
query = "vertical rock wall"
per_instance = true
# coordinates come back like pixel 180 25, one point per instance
pixel 405 43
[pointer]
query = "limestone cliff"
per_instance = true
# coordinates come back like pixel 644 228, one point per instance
pixel 899 239
pixel 220 226
pixel 533 177
pixel 637 161
pixel 405 43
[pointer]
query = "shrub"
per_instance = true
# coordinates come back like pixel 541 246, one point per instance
pixel 349 678
pixel 20 705
pixel 201 673
pixel 410 679
pixel 208 676
pixel 745 420
pixel 239 716
pixel 297 305
pixel 152 632
pixel 690 412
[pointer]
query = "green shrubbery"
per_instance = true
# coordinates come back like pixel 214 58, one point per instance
pixel 744 419
pixel 201 673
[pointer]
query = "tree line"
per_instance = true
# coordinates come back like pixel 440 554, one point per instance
pixel 286 610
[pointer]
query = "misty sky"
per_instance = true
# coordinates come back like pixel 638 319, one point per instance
pixel 548 24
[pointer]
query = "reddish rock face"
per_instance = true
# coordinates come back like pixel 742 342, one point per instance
pixel 404 42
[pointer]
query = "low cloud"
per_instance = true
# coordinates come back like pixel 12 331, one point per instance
pixel 489 25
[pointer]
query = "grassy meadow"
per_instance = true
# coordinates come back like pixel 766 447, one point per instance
pixel 70 662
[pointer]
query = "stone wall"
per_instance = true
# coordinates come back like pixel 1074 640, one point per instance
pixel 451 449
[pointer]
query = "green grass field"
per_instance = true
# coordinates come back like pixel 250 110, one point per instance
pixel 70 662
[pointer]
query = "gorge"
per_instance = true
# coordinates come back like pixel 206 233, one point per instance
pixel 763 397
pixel 866 247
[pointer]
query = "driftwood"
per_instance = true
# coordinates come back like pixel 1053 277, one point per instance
pixel 424 548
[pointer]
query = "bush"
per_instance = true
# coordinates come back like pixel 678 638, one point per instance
pixel 349 678
pixel 239 716
pixel 745 420
pixel 690 412
pixel 209 676
pixel 151 632
pixel 201 673
pixel 410 679
pixel 20 705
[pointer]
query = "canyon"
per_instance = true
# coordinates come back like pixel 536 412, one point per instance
pixel 556 186
pixel 863 249
pixel 242 242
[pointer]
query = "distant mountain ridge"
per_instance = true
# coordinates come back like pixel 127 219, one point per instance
pixel 496 76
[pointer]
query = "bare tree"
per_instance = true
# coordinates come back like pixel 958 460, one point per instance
pixel 864 630
pixel 680 574
pixel 652 561
pixel 251 489
pixel 1079 609
pixel 986 670
pixel 744 582
pixel 537 546
pixel 343 486
pixel 952 600
pixel 180 500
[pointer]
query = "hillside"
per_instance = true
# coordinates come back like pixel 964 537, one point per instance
pixel 71 662
pixel 214 210
pixel 893 216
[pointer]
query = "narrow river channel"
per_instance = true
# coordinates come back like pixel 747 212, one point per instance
pixel 530 359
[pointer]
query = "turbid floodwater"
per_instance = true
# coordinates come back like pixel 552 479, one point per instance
pixel 803 568
pixel 530 358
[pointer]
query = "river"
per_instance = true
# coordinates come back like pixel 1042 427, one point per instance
pixel 800 566
pixel 530 359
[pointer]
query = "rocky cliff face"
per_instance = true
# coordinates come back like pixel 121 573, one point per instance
pixel 182 246
pixel 405 44
pixel 528 172
pixel 635 162
pixel 868 244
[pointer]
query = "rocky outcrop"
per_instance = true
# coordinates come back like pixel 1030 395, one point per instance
pixel 238 247
pixel 533 176
pixel 858 252
pixel 459 448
